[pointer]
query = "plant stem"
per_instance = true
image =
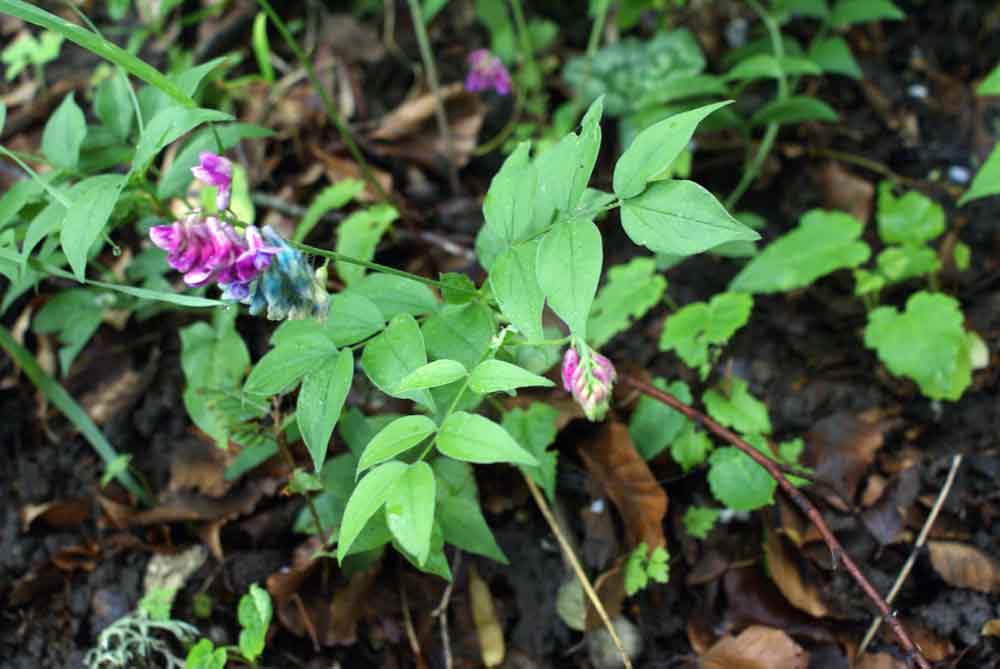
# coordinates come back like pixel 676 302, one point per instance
pixel 53 193
pixel 286 452
pixel 331 109
pixel 752 168
pixel 385 269
pixel 800 500
pixel 527 48
pixel 597 28
pixel 442 118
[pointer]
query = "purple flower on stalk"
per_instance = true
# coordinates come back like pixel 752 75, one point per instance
pixel 589 378
pixel 486 71
pixel 214 170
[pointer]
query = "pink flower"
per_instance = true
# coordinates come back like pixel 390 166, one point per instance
pixel 486 71
pixel 214 170
pixel 207 250
pixel 589 378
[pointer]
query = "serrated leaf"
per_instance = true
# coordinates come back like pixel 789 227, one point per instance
pixel 409 510
pixel 824 242
pixel 655 148
pixel 397 437
pixel 368 497
pixel 492 376
pixel 739 409
pixel 912 218
pixel 569 264
pixel 93 199
pixel 254 613
pixel 320 402
pixel 846 12
pixel 680 217
pixel 699 521
pixel 393 354
pixel 473 438
pixel 795 109
pixel 64 134
pixel 631 290
pixel 690 449
pixel 433 374
pixel 694 328
pixel 926 342
pixel 987 179
pixel 834 55
pixel 739 482
pixel 514 281
pixel 653 425
pixel 535 428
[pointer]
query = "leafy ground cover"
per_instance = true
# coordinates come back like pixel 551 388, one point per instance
pixel 780 214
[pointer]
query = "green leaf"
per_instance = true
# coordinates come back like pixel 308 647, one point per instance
pixel 926 343
pixel 989 86
pixel 352 317
pixel 320 402
pixel 94 199
pixel 898 263
pixel 783 9
pixel 458 511
pixel 834 55
pixel 460 332
pixel 536 429
pixel 846 12
pixel 75 314
pixel 432 375
pixel 368 497
pixel 190 78
pixel 458 288
pixel 509 207
pixel 913 218
pixel 330 198
pixel 987 179
pixel 473 438
pixel 394 295
pixel 514 281
pixel 690 331
pixel 113 106
pixel 358 237
pixel 631 290
pixel 3 115
pixel 699 521
pixel 653 425
pixel 655 149
pixel 166 126
pixel 739 482
pixel 569 269
pixel 389 357
pixel 409 510
pixel 765 65
pixel 824 242
pixel 297 351
pixel 492 376
pixel 397 437
pixel 962 256
pixel 795 109
pixel 262 48
pixel 691 448
pixel 636 578
pixel 64 134
pixel 680 217
pixel 157 603
pixel 738 409
pixel 204 655
pixel 254 613
pixel 565 169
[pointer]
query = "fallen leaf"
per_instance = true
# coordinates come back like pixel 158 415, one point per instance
pixel 965 566
pixel 885 520
pixel 612 460
pixel 753 599
pixel 610 589
pixel 756 647
pixel 880 661
pixel 484 615
pixel 802 590
pixel 82 557
pixel 991 628
pixel 61 514
pixel 338 169
pixel 845 191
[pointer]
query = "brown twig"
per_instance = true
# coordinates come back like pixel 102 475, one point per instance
pixel 441 611
pixel 800 501
pixel 956 461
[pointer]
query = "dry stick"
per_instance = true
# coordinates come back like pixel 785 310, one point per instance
pixel 575 564
pixel 800 501
pixel 441 611
pixel 956 461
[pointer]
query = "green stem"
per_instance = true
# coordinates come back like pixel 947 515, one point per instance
pixel 541 342
pixel 385 269
pixel 528 50
pixel 331 110
pixel 442 119
pixel 53 193
pixel 597 28
pixel 753 166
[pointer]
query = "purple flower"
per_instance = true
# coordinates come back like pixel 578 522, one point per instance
pixel 214 170
pixel 486 71
pixel 589 378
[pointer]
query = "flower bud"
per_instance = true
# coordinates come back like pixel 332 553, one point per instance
pixel 214 170
pixel 589 377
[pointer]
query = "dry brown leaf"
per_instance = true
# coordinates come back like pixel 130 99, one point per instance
pixel 61 514
pixel 786 571
pixel 991 628
pixel 845 191
pixel 880 661
pixel 338 169
pixel 484 615
pixel 965 566
pixel 625 477
pixel 753 599
pixel 756 647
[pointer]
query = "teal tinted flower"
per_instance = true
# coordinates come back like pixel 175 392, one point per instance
pixel 288 288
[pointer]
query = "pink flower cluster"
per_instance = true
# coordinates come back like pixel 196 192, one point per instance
pixel 207 250
pixel 486 71
pixel 590 379
pixel 214 170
